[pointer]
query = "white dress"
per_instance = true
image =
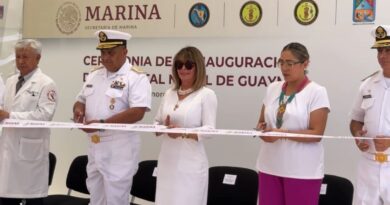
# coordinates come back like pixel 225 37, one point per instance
pixel 182 176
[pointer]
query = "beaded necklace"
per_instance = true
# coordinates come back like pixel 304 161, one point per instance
pixel 181 92
pixel 185 92
pixel 283 105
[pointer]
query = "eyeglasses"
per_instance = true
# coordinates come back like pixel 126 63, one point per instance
pixel 288 63
pixel 188 64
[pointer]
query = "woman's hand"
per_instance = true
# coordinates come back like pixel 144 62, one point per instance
pixel 270 139
pixel 170 125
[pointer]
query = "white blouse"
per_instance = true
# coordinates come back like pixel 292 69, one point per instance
pixel 287 158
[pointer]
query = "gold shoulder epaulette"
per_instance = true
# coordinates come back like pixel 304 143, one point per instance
pixel 370 75
pixel 137 69
pixel 96 68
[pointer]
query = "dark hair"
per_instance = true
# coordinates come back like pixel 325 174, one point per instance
pixel 298 50
pixel 193 54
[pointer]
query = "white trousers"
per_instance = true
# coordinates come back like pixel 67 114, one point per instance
pixel 373 183
pixel 111 167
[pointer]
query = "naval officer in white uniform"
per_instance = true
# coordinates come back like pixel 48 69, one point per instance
pixel 117 92
pixel 370 117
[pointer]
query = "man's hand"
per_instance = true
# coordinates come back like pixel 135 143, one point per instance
pixel 88 130
pixel 78 112
pixel 381 143
pixel 3 115
pixel 362 144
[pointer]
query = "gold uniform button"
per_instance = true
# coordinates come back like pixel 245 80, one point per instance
pixel 95 139
pixel 381 157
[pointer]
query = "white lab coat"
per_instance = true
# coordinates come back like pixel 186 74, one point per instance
pixel 24 163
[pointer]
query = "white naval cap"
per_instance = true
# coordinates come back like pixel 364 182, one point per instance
pixel 382 38
pixel 111 38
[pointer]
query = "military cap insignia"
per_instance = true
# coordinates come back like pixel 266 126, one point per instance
pixel 102 36
pixel 380 32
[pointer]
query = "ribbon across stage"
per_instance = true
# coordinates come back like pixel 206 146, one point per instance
pixel 11 123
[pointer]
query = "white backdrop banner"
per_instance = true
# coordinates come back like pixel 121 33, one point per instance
pixel 169 18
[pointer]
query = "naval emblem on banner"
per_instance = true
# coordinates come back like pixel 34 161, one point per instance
pixel 251 13
pixel 68 18
pixel 363 11
pixel 199 15
pixel 306 12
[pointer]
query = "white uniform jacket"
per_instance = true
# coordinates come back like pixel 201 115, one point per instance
pixel 114 160
pixel 24 162
pixel 372 108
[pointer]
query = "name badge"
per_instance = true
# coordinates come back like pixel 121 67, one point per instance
pixel 367 96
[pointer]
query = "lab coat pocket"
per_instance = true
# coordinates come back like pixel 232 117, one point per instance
pixel 29 99
pixel 30 149
pixel 367 103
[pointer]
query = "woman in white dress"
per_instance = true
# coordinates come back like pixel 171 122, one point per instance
pixel 182 176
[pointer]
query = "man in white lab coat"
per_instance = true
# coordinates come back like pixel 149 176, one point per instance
pixel 117 92
pixel 24 161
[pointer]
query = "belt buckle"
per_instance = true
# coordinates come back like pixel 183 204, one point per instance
pixel 95 139
pixel 380 157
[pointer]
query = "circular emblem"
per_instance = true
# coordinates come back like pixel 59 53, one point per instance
pixel 51 95
pixel 306 12
pixel 68 18
pixel 380 32
pixel 251 13
pixel 199 15
pixel 102 36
